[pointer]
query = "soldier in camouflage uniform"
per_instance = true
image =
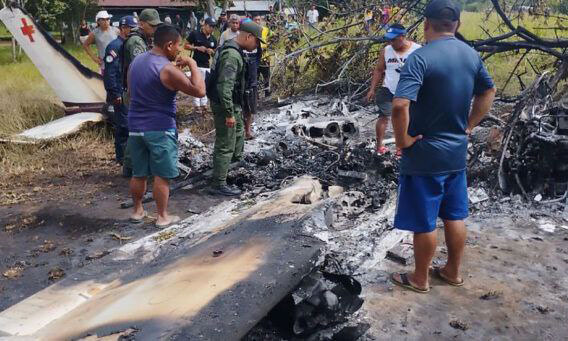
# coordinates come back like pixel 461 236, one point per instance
pixel 226 92
pixel 137 42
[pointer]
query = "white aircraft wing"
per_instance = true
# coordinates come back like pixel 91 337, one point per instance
pixel 77 86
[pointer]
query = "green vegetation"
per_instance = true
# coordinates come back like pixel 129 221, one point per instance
pixel 26 101
pixel 322 65
pixel 501 65
pixel 25 97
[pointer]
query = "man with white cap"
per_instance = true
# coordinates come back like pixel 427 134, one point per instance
pixel 101 37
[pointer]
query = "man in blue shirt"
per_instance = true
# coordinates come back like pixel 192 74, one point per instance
pixel 432 120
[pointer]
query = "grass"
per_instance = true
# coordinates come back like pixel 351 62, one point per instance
pixel 26 101
pixel 25 97
pixel 501 65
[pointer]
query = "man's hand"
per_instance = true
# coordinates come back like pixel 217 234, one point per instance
pixel 407 141
pixel 400 122
pixel 117 101
pixel 230 122
pixel 370 96
pixel 184 61
pixel 98 60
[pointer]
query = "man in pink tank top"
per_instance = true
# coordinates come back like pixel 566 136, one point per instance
pixel 387 73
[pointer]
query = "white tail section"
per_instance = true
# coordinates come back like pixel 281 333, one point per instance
pixel 73 83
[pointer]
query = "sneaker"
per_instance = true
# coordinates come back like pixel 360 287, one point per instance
pixel 225 190
pixel 382 150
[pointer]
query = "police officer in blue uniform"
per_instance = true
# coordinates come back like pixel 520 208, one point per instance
pixel 113 81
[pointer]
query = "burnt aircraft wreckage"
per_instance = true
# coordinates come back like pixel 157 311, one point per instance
pixel 534 158
pixel 80 89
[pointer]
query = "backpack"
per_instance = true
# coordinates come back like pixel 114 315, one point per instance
pixel 212 76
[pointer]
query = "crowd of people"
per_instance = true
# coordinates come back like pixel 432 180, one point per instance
pixel 426 90
pixel 142 68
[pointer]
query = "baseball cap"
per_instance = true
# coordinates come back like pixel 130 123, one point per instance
pixel 254 29
pixel 394 31
pixel 150 16
pixel 129 20
pixel 435 7
pixel 210 21
pixel 102 15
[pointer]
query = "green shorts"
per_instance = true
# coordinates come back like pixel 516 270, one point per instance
pixel 153 153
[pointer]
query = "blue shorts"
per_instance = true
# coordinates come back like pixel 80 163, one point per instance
pixel 422 199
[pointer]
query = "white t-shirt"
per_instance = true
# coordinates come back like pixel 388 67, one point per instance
pixel 227 35
pixel 313 16
pixel 394 62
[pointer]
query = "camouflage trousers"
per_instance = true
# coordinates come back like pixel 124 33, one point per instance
pixel 229 143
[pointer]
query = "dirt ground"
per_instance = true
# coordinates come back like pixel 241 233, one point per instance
pixel 54 222
pixel 45 239
pixel 516 288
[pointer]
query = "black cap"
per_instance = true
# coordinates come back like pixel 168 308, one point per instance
pixel 434 9
pixel 210 21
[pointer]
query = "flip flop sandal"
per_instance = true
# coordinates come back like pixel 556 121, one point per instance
pixel 138 220
pixel 405 283
pixel 438 273
pixel 173 219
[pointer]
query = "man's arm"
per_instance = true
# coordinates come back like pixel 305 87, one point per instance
pixel 87 47
pixel 400 121
pixel 226 80
pixel 484 93
pixel 481 105
pixel 137 46
pixel 378 74
pixel 113 83
pixel 174 79
pixel 411 79
pixel 190 44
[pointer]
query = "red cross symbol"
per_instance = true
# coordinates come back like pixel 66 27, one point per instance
pixel 28 30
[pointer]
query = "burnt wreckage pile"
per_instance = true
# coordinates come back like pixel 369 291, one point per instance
pixel 534 160
pixel 525 150
pixel 321 138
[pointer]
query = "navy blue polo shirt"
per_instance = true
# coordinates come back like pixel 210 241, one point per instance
pixel 440 79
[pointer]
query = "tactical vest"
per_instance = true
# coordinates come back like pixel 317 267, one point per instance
pixel 211 79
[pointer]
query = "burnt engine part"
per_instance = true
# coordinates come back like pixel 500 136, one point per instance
pixel 320 302
pixel 329 130
pixel 536 159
